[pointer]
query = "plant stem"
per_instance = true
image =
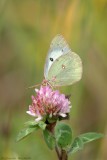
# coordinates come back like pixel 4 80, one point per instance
pixel 61 153
pixel 64 155
pixel 57 151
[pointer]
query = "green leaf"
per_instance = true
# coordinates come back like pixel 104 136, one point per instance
pixel 42 125
pixel 76 145
pixel 83 139
pixel 91 136
pixel 25 132
pixel 63 135
pixel 31 123
pixel 49 139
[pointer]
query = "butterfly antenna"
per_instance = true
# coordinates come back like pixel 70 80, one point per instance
pixel 33 86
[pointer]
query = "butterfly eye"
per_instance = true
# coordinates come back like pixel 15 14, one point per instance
pixel 51 59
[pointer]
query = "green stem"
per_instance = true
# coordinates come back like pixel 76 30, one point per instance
pixel 61 153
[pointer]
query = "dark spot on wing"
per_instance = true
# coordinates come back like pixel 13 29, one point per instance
pixel 63 66
pixel 51 59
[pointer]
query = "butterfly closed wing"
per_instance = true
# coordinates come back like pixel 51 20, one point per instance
pixel 58 47
pixel 63 67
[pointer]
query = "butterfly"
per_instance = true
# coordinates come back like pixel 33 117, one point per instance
pixel 63 67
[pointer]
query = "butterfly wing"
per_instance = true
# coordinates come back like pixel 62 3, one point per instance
pixel 66 70
pixel 58 48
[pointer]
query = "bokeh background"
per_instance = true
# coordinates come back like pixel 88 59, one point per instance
pixel 26 30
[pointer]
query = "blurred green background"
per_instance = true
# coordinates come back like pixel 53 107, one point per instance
pixel 26 30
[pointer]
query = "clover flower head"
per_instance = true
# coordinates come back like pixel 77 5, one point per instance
pixel 48 102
